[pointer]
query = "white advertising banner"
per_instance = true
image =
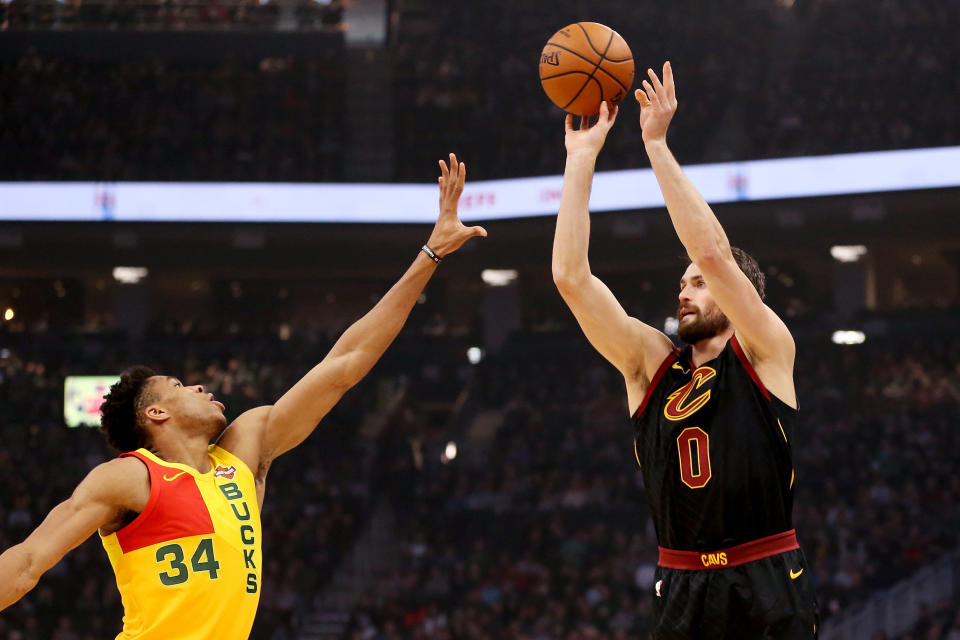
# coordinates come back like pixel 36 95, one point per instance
pixel 482 200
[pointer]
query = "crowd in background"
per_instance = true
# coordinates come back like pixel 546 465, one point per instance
pixel 317 496
pixel 539 528
pixel 936 623
pixel 148 119
pixel 549 536
pixel 171 14
pixel 755 79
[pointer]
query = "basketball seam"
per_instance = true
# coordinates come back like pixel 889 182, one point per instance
pixel 603 56
pixel 579 55
pixel 590 42
pixel 586 59
pixel 565 73
pixel 595 67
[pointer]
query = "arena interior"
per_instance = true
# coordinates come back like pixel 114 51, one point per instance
pixel 480 483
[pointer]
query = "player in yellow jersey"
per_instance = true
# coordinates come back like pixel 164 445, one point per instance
pixel 180 517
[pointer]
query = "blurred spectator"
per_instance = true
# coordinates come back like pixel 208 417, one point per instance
pixel 756 79
pixel 172 14
pixel 548 534
pixel 317 496
pixel 146 119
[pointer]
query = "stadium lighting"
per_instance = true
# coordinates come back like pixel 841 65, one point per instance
pixel 8 314
pixel 498 277
pixel 848 253
pixel 849 337
pixel 670 326
pixel 129 275
pixel 474 355
pixel 450 451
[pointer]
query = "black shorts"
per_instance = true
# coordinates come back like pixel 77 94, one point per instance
pixel 768 599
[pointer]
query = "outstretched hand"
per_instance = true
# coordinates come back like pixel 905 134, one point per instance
pixel 589 138
pixel 658 103
pixel 449 233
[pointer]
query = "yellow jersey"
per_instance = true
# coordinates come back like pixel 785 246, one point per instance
pixel 188 567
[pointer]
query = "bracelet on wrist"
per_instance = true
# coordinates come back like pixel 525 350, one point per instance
pixel 431 254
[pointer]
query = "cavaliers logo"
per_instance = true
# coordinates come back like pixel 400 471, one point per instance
pixel 679 405
pixel 225 472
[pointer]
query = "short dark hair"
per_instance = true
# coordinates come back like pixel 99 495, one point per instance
pixel 121 421
pixel 750 268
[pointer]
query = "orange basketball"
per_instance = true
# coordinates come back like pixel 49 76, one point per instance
pixel 584 64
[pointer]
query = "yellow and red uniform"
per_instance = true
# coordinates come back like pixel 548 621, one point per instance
pixel 188 567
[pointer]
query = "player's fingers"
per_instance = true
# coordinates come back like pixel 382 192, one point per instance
pixel 668 83
pixel 613 114
pixel 478 231
pixel 454 166
pixel 568 123
pixel 641 98
pixel 463 175
pixel 661 94
pixel 584 123
pixel 604 111
pixel 443 170
pixel 651 94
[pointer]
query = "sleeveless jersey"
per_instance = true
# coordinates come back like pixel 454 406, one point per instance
pixel 714 447
pixel 188 567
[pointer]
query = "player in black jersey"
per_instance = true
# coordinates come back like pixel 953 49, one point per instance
pixel 714 421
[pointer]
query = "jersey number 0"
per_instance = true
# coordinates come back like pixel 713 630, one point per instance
pixel 693 446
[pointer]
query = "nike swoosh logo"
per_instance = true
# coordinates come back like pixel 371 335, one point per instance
pixel 795 574
pixel 174 477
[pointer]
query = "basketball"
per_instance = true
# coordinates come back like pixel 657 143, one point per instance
pixel 585 64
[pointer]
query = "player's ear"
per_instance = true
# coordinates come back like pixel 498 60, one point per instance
pixel 156 413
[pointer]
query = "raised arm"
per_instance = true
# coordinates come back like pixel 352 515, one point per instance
pixel 760 331
pixel 108 491
pixel 294 416
pixel 633 347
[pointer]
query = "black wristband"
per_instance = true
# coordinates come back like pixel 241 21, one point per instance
pixel 431 253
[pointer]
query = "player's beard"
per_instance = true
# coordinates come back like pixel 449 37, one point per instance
pixel 703 327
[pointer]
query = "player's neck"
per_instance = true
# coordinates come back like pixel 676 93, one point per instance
pixel 709 348
pixel 190 450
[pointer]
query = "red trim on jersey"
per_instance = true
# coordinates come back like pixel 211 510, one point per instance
pixel 672 357
pixel 732 557
pixel 737 349
pixel 174 510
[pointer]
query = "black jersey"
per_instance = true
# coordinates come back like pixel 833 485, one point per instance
pixel 715 450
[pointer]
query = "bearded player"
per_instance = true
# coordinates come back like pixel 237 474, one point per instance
pixel 714 421
pixel 180 517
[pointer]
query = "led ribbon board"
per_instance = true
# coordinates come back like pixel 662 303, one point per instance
pixel 482 200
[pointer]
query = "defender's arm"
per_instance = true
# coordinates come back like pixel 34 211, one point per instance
pixel 264 433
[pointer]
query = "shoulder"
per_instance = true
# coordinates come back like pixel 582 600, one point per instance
pixel 243 438
pixel 767 340
pixel 657 367
pixel 122 482
pixel 773 374
pixel 650 348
